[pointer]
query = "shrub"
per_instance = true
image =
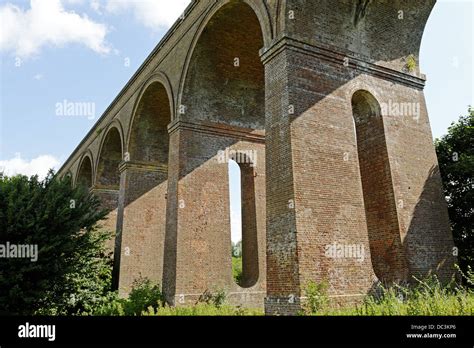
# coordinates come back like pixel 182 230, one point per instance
pixel 72 271
pixel 144 296
pixel 316 298
pixel 411 63
pixel 216 299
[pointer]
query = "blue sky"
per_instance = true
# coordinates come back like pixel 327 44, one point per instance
pixel 78 50
pixel 447 59
pixel 88 67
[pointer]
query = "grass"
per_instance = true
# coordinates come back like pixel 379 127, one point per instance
pixel 203 309
pixel 424 298
pixel 460 304
pixel 427 297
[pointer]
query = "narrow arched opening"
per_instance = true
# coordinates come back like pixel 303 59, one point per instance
pixel 84 176
pixel 243 221
pixel 108 176
pixel 235 195
pixel 379 199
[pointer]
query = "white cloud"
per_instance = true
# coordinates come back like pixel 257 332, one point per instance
pixel 25 32
pixel 40 165
pixel 95 5
pixel 154 14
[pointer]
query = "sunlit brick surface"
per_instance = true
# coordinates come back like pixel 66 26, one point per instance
pixel 296 81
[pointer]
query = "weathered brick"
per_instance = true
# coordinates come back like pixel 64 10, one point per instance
pixel 308 85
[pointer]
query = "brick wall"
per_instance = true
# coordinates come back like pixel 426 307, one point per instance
pixel 321 180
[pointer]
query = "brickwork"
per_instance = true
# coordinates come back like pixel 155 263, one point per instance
pixel 388 259
pixel 143 226
pixel 329 95
pixel 198 243
pixel 109 201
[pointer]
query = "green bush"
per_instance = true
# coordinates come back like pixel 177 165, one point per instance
pixel 411 63
pixel 146 299
pixel 144 296
pixel 317 298
pixel 72 272
pixel 216 299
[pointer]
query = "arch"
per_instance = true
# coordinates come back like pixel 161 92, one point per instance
pixel 85 173
pixel 148 139
pixel 379 199
pixel 248 213
pixel 280 21
pixel 235 205
pixel 157 77
pixel 143 183
pixel 224 105
pixel 110 156
pixel 231 30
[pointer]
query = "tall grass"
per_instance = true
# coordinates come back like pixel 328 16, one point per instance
pixel 425 297
pixel 203 309
pixel 145 299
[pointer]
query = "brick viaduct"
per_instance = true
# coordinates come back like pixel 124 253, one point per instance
pixel 312 87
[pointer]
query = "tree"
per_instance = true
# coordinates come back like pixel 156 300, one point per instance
pixel 71 272
pixel 456 161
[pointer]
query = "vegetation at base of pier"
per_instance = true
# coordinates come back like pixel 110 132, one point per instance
pixel 145 299
pixel 426 297
pixel 203 309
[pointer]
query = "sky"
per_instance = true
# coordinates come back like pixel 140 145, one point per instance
pixel 56 51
